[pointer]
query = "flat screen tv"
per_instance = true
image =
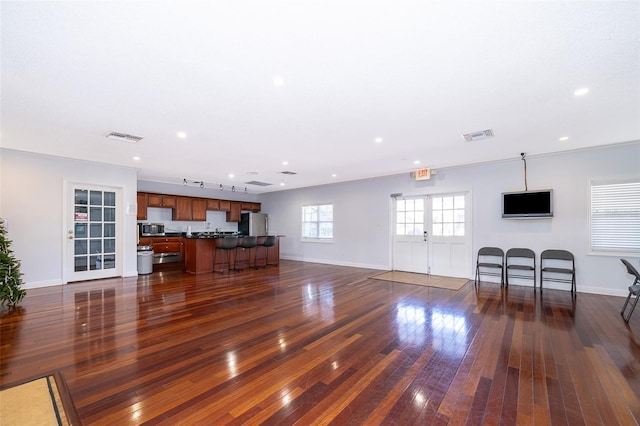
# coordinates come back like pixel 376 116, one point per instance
pixel 527 204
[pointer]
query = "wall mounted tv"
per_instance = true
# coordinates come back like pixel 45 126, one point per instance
pixel 527 204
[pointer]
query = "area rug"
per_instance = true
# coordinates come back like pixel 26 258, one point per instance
pixel 422 279
pixel 33 403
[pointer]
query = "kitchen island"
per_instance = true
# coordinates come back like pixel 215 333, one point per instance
pixel 199 253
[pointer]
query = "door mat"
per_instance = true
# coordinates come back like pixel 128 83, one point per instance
pixel 437 281
pixel 33 403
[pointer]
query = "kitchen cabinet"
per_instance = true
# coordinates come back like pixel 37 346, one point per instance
pixel 190 209
pixel 142 206
pixel 233 215
pixel 199 209
pixel 160 200
pixel 169 201
pixel 154 200
pixel 183 210
pixel 252 207
pixel 186 208
pixel 167 245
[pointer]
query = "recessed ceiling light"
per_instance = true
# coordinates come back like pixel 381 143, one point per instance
pixel 582 91
pixel 564 138
pixel 378 140
pixel 136 158
pixel 278 81
pixel 334 175
pixel 416 162
pixel 284 163
pixel 181 135
pixel 231 175
pixel 281 183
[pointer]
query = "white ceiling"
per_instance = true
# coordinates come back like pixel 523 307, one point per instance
pixel 417 74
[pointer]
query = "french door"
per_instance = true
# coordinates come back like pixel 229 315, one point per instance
pixel 91 237
pixel 432 234
pixel 410 241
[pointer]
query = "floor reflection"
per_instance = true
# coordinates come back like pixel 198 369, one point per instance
pixel 94 325
pixel 444 330
pixel 317 301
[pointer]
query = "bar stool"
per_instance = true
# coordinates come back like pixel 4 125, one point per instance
pixel 245 246
pixel 226 244
pixel 269 241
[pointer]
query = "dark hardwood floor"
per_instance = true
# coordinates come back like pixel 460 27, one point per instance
pixel 308 343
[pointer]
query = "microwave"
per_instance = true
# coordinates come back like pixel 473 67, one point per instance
pixel 151 229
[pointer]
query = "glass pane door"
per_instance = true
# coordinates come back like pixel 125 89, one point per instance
pixel 93 233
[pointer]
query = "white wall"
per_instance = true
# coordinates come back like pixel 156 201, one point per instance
pixel 362 232
pixel 31 198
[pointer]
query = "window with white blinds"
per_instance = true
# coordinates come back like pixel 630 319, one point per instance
pixel 615 217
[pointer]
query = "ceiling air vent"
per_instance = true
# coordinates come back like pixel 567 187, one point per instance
pixel 124 137
pixel 288 173
pixel 478 136
pixel 258 183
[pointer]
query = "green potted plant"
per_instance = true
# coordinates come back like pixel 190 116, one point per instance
pixel 10 276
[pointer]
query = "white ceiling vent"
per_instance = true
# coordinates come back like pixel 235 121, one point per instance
pixel 286 172
pixel 124 137
pixel 478 136
pixel 258 183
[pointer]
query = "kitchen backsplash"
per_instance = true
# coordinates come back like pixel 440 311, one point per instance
pixel 214 220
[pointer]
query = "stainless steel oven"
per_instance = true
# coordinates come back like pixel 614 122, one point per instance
pixel 169 257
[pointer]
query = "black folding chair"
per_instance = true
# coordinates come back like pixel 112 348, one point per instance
pixel 490 261
pixel 558 263
pixel 522 263
pixel 634 290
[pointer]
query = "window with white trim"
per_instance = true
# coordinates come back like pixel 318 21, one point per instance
pixel 615 217
pixel 410 216
pixel 317 222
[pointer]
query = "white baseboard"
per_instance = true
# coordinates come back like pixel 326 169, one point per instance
pixel 38 284
pixel 331 262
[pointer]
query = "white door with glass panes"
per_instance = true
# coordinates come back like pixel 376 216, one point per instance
pixel 410 246
pixel 432 235
pixel 449 239
pixel 91 237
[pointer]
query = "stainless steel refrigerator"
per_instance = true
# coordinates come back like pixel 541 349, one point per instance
pixel 253 224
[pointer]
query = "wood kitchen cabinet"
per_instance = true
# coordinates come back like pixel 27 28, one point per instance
pixel 190 209
pixel 252 207
pixel 169 201
pixel 199 209
pixel 186 208
pixel 160 200
pixel 142 206
pixel 154 200
pixel 233 215
pixel 183 210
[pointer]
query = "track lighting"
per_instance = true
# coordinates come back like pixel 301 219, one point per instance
pixel 185 182
pixel 233 189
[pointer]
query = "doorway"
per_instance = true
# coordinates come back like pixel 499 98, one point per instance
pixel 432 234
pixel 92 233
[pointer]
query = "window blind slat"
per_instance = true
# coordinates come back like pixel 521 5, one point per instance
pixel 615 217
